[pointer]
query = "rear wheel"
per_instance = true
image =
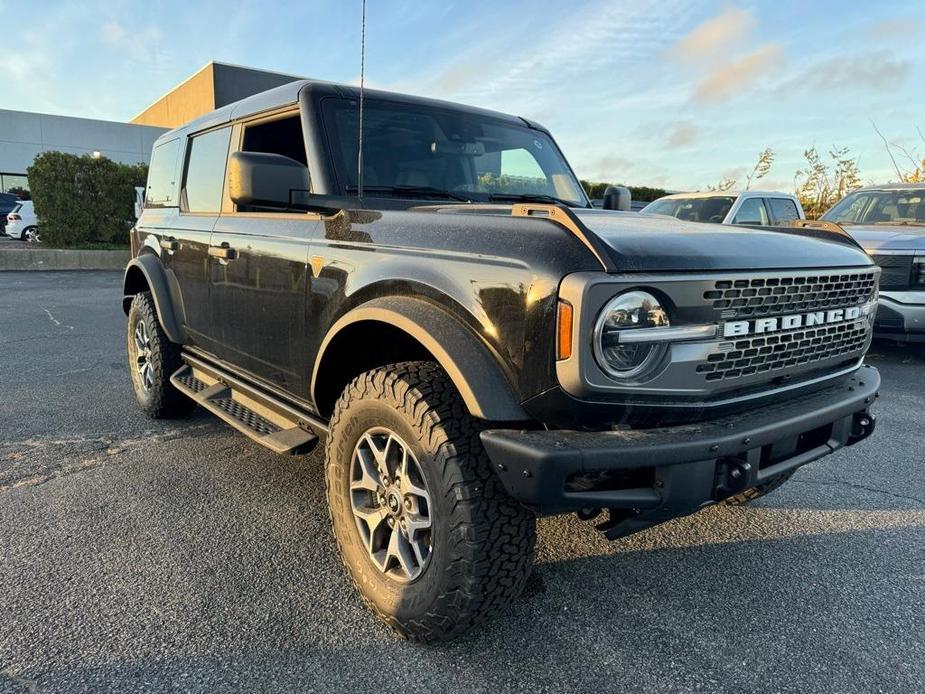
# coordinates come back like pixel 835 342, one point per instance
pixel 759 490
pixel 31 235
pixel 152 359
pixel 426 531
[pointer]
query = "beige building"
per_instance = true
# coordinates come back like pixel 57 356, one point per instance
pixel 214 86
pixel 25 135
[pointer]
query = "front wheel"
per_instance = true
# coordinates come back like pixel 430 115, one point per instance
pixel 431 540
pixel 152 358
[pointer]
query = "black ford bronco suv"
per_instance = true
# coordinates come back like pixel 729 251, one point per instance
pixel 474 344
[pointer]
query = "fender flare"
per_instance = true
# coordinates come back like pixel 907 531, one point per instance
pixel 156 279
pixel 469 362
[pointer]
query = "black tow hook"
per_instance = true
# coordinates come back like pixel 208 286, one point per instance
pixel 734 476
pixel 862 426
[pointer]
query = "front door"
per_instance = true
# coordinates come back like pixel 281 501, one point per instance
pixel 259 294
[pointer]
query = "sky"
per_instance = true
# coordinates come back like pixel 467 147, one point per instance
pixel 676 93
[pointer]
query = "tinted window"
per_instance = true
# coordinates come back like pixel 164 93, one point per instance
pixel 282 136
pixel 162 174
pixel 880 207
pixel 454 153
pixel 13 183
pixel 784 210
pixel 752 211
pixel 711 210
pixel 205 171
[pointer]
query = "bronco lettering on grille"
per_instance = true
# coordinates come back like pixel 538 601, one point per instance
pixel 770 325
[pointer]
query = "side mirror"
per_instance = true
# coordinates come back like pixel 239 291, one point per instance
pixel 617 198
pixel 267 180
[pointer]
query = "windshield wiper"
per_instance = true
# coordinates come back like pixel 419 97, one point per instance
pixel 411 190
pixel 530 197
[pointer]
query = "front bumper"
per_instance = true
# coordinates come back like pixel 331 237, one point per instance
pixel 901 316
pixel 657 474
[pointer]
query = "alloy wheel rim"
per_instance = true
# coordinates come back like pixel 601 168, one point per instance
pixel 143 356
pixel 391 505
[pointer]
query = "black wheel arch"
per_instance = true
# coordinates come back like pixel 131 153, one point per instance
pixel 418 330
pixel 146 273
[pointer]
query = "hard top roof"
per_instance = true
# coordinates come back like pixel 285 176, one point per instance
pixel 289 94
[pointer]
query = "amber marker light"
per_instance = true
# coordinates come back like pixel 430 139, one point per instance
pixel 564 331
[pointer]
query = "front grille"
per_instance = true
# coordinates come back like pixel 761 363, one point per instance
pixel 796 350
pixel 785 350
pixel 896 271
pixel 794 294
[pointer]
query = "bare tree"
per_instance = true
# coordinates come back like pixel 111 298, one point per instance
pixel 762 167
pixel 914 174
pixel 725 184
pixel 820 185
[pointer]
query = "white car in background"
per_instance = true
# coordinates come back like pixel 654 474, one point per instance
pixel 22 223
pixel 752 207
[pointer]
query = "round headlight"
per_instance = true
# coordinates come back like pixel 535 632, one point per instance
pixel 628 311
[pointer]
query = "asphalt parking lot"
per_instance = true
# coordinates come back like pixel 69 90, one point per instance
pixel 140 555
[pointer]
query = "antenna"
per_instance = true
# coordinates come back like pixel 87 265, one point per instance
pixel 362 84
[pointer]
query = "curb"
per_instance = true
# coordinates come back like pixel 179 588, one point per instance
pixel 30 259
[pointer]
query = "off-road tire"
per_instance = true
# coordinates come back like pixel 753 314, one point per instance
pixel 759 490
pixel 161 400
pixel 482 539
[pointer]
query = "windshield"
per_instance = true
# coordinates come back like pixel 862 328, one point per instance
pixel 712 210
pixel 412 150
pixel 880 207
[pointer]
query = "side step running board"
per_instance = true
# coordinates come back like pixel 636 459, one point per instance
pixel 267 420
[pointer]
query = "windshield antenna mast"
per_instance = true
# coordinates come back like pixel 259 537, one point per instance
pixel 362 84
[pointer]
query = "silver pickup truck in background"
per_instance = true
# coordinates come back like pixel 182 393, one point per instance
pixel 889 223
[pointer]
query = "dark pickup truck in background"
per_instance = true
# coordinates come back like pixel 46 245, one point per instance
pixel 473 342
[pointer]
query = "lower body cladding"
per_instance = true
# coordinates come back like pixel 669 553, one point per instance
pixel 901 316
pixel 648 476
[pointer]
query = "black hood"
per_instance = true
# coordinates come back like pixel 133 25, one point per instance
pixel 635 242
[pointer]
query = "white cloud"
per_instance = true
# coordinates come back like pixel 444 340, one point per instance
pixel 873 71
pixel 736 76
pixel 682 134
pixel 715 36
pixel 112 33
pixel 891 29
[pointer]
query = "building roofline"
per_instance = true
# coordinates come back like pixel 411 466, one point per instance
pixel 95 120
pixel 205 67
pixel 172 89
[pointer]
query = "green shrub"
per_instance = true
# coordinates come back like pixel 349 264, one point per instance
pixel 82 201
pixel 643 193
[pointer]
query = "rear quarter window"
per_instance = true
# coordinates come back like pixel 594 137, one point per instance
pixel 162 175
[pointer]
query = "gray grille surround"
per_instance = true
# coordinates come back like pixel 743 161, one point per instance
pixel 749 365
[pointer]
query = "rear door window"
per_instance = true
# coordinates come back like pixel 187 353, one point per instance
pixel 205 171
pixel 752 212
pixel 783 210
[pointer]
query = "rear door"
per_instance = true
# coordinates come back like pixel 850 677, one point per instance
pixel 259 293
